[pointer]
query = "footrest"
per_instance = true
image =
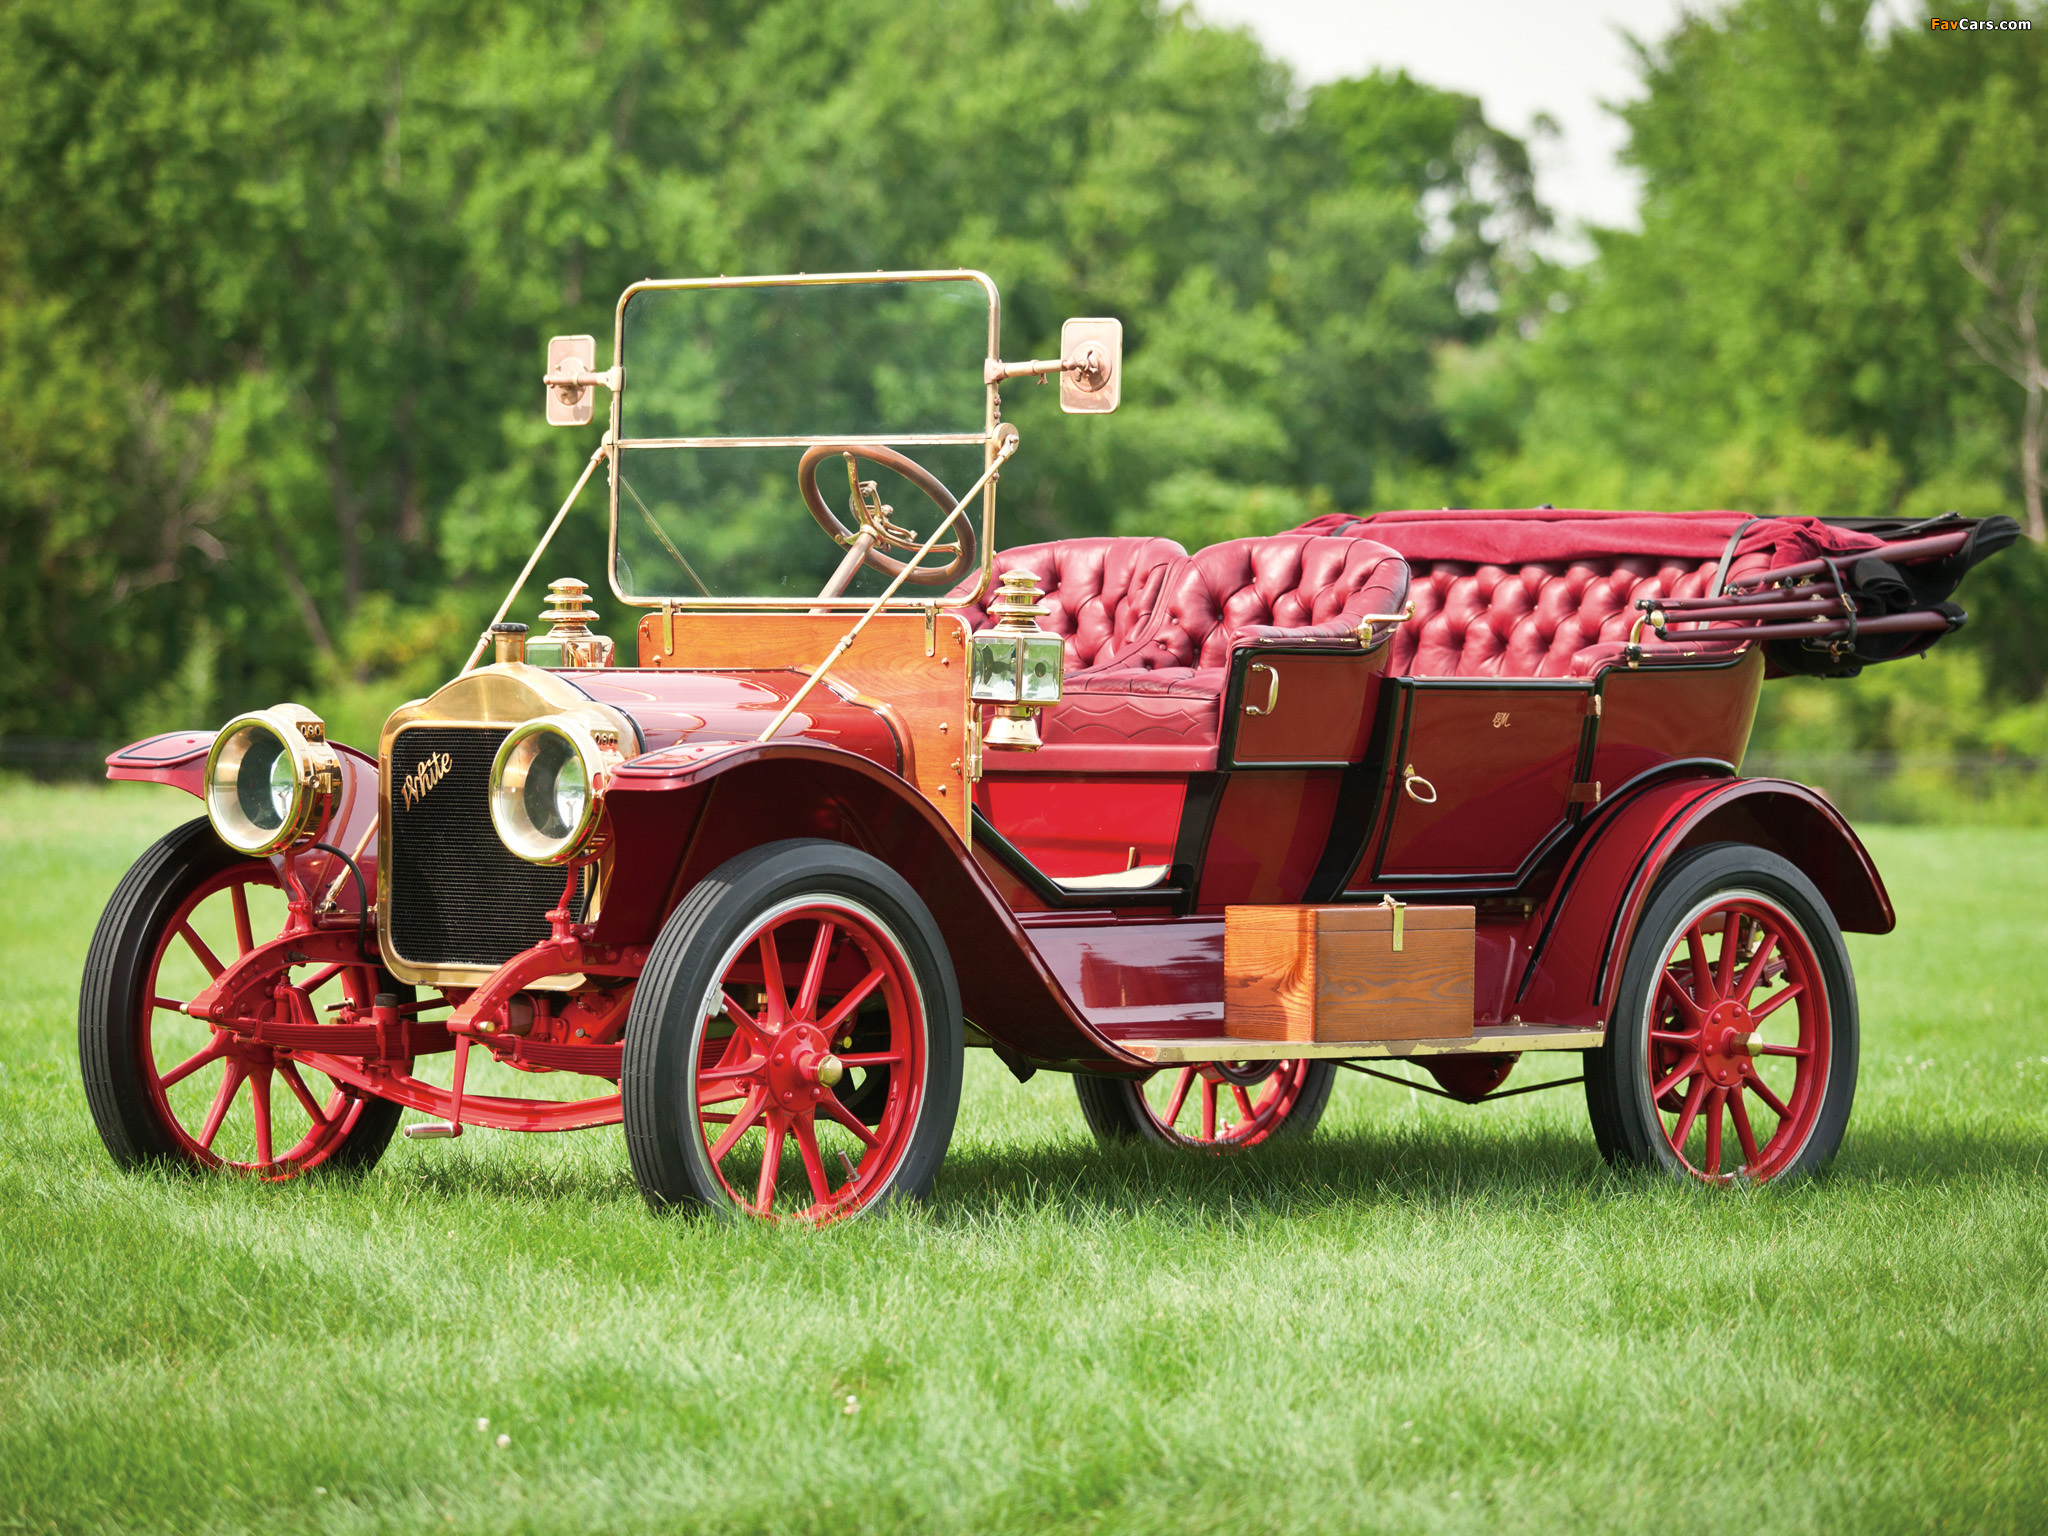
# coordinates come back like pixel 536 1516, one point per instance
pixel 428 1130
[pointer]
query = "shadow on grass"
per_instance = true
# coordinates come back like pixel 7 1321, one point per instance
pixel 1078 1180
pixel 1436 1164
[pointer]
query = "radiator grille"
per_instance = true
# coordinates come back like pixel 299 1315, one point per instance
pixel 458 896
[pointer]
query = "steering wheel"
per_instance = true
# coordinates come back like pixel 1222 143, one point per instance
pixel 874 517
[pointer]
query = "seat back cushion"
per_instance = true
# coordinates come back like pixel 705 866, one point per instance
pixel 1101 591
pixel 1234 593
pixel 1531 620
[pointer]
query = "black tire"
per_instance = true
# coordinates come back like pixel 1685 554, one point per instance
pixel 1619 1079
pixel 670 1019
pixel 111 1040
pixel 1116 1109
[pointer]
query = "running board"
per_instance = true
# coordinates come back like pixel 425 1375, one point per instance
pixel 1482 1041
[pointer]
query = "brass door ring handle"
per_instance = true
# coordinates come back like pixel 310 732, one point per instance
pixel 1410 779
pixel 1272 689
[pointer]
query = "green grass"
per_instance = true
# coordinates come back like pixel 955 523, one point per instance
pixel 1430 1318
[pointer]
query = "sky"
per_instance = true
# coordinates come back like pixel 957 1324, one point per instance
pixel 1564 58
pixel 1519 57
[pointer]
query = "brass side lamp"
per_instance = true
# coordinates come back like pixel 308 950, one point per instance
pixel 570 643
pixel 1017 665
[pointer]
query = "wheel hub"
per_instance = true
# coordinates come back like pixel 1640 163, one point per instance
pixel 1726 1039
pixel 801 1068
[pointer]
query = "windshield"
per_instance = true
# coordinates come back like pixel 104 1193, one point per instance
pixel 725 387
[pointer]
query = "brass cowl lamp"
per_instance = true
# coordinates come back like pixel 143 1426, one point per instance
pixel 1017 665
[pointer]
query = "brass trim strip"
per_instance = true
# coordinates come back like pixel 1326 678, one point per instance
pixel 1480 1042
pixel 893 440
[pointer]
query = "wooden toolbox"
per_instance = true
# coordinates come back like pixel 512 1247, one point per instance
pixel 1347 973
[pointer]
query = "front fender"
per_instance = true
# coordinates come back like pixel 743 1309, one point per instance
pixel 678 814
pixel 178 758
pixel 1574 963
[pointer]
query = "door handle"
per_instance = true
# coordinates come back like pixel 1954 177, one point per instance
pixel 1272 689
pixel 1410 779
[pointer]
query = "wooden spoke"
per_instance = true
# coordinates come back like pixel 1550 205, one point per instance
pixel 319 979
pixel 1208 1110
pixel 223 1097
pixel 289 1071
pixel 814 970
pixel 213 1050
pixel 1774 1002
pixel 1743 1133
pixel 739 1015
pixel 814 1165
pixel 771 977
pixel 845 1006
pixel 198 947
pixel 771 1164
pixel 1731 948
pixel 1244 1103
pixel 1714 1100
pixel 723 1073
pixel 1702 974
pixel 1754 971
pixel 259 1106
pixel 1685 1069
pixel 870 1058
pixel 1763 1091
pixel 742 1123
pixel 846 1117
pixel 1690 1113
pixel 1180 1096
pixel 244 941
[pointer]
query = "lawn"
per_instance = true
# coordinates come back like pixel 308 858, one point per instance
pixel 1429 1318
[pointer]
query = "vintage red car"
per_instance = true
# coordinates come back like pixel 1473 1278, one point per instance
pixel 1197 828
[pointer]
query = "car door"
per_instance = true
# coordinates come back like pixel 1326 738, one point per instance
pixel 1482 777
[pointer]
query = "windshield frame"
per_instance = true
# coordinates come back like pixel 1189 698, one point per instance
pixel 992 415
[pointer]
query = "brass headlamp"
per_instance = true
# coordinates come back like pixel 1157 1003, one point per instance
pixel 547 787
pixel 271 779
pixel 1016 665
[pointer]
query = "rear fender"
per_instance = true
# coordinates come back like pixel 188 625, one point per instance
pixel 178 758
pixel 677 815
pixel 1582 935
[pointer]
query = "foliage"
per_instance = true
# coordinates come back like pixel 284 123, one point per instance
pixel 277 278
pixel 1789 331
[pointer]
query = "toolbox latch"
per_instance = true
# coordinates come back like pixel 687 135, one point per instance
pixel 1398 908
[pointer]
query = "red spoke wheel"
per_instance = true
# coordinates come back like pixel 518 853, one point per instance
pixel 1218 1106
pixel 794 1050
pixel 166 1087
pixel 1733 1050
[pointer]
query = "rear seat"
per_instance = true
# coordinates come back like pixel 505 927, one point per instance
pixel 1553 619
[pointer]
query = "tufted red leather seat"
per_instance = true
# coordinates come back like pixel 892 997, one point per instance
pixel 1100 590
pixel 1297 587
pixel 1552 619
pixel 1164 690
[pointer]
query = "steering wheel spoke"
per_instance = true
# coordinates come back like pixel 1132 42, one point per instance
pixel 877 533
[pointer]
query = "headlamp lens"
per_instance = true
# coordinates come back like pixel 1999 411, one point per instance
pixel 284 784
pixel 556 786
pixel 264 780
